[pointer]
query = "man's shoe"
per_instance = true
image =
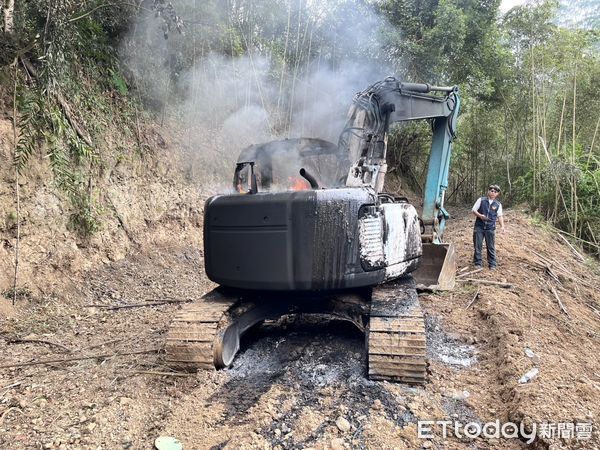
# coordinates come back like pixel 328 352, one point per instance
pixel 477 267
pixel 493 268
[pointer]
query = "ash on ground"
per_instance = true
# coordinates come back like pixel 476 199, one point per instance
pixel 309 355
pixel 446 348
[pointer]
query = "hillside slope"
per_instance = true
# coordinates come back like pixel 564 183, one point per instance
pixel 506 322
pixel 148 192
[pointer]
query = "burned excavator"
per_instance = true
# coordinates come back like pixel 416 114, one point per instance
pixel 309 230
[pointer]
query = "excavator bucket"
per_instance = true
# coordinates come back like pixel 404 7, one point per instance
pixel 438 267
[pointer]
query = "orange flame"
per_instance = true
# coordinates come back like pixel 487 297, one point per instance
pixel 298 184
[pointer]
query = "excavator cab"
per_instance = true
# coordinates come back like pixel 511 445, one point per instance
pixel 290 165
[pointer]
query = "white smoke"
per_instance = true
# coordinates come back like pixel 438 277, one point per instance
pixel 324 97
pixel 246 126
pixel 244 100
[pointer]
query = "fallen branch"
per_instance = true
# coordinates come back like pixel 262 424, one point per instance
pixel 559 266
pixel 469 273
pixel 85 137
pixel 597 311
pixel 531 318
pixel 15 384
pixel 578 238
pixel 562 307
pixel 538 264
pixel 166 374
pixel 138 305
pixel 544 258
pixel 38 341
pixel 112 341
pixel 77 358
pixel 492 283
pixel 475 297
pixel 577 254
pixel 552 275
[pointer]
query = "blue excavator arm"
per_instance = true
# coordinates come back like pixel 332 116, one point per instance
pixel 365 138
pixel 434 214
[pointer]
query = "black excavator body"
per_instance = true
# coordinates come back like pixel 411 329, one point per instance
pixel 309 229
pixel 293 241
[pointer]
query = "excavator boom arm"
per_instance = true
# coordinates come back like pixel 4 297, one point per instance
pixel 365 137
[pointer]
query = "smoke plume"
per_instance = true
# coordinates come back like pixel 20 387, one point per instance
pixel 229 102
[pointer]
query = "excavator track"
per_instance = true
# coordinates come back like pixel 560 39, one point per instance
pixel 206 334
pixel 396 334
pixel 195 337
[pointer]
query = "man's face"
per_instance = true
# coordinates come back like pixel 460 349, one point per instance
pixel 492 193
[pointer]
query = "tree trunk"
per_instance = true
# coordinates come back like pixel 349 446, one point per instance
pixel 8 12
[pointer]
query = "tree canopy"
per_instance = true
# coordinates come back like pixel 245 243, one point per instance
pixel 528 81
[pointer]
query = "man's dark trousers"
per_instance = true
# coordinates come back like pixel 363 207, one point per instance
pixel 479 234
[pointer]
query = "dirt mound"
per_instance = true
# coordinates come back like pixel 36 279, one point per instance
pixel 301 382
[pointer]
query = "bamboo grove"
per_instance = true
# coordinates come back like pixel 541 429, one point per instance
pixel 531 109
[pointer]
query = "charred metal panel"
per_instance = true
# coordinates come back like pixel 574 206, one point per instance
pixel 336 252
pixel 402 240
pixel 303 240
pixel 370 233
pixel 389 238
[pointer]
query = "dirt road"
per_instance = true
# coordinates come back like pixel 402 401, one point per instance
pixel 299 383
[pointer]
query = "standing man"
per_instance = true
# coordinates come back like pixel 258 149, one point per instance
pixel 487 210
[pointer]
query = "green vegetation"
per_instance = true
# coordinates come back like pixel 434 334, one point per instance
pixel 529 85
pixel 20 293
pixel 67 64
